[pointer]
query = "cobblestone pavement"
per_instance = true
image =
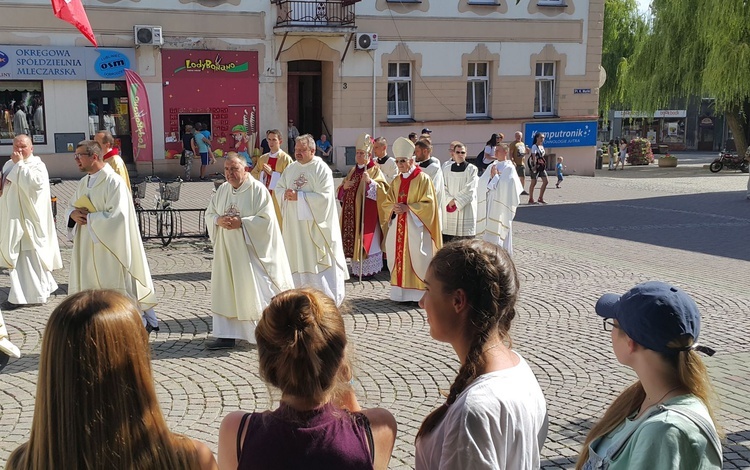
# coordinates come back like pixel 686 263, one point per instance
pixel 596 235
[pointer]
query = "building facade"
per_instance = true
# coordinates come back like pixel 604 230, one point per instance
pixel 338 67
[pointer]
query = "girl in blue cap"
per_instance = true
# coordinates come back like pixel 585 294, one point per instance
pixel 665 419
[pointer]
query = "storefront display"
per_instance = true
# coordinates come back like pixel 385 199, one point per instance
pixel 22 111
pixel 216 88
pixel 667 127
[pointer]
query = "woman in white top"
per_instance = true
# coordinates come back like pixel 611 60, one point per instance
pixel 495 414
pixel 460 211
pixel 489 149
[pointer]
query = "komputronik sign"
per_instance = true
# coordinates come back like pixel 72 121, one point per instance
pixel 562 133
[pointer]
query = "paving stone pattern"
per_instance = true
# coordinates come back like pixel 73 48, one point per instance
pixel 596 235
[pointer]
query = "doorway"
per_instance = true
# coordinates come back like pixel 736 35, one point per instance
pixel 108 110
pixel 305 96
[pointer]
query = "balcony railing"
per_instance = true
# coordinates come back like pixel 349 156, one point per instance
pixel 309 13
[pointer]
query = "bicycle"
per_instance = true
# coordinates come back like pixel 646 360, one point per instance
pixel 169 192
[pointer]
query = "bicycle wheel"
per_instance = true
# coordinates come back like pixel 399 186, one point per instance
pixel 165 226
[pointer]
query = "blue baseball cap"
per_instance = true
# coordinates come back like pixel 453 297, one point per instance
pixel 653 314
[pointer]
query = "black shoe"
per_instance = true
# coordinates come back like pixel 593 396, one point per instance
pixel 150 328
pixel 8 306
pixel 524 193
pixel 220 343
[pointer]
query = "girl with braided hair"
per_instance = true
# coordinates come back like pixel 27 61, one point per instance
pixel 495 414
pixel 302 350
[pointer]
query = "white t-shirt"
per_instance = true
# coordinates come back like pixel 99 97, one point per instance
pixel 489 154
pixel 499 421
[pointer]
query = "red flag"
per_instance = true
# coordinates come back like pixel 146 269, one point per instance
pixel 72 11
pixel 140 118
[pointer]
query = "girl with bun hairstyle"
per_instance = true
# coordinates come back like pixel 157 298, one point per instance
pixel 302 350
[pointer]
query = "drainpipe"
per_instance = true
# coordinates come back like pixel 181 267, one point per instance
pixel 374 95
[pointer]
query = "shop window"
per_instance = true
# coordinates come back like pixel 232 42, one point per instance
pixel 22 111
pixel 544 96
pixel 477 85
pixel 672 131
pixel 399 90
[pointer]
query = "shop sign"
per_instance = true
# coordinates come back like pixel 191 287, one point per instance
pixel 111 64
pixel 212 65
pixel 63 63
pixel 661 113
pixel 563 134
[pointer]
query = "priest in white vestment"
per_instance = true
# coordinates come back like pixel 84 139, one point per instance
pixel 7 349
pixel 460 208
pixel 250 265
pixel 107 248
pixel 410 220
pixel 111 155
pixel 498 195
pixel 387 164
pixel 28 238
pixel 310 222
pixel 432 167
pixel 271 165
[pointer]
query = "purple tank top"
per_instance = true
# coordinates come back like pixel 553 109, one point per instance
pixel 323 438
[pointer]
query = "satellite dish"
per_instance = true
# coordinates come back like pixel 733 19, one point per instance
pixel 602 76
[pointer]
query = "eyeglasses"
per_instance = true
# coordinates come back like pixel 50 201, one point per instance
pixel 402 160
pixel 609 324
pixel 79 155
pixel 461 153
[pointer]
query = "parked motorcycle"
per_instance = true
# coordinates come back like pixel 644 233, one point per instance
pixel 731 162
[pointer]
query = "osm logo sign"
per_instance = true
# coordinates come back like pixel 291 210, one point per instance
pixel 111 64
pixel 3 59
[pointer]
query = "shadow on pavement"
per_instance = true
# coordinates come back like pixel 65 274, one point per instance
pixel 685 222
pixel 187 277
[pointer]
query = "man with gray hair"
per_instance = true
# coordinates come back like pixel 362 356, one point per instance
pixel 28 239
pixel 310 222
pixel 517 151
pixel 250 264
pixel 107 248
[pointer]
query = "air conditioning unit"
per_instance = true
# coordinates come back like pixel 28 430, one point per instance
pixel 148 36
pixel 366 42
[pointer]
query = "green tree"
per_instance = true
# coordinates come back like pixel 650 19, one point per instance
pixel 693 47
pixel 623 25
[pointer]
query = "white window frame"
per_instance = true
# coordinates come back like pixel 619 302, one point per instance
pixel 541 81
pixel 472 80
pixel 394 81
